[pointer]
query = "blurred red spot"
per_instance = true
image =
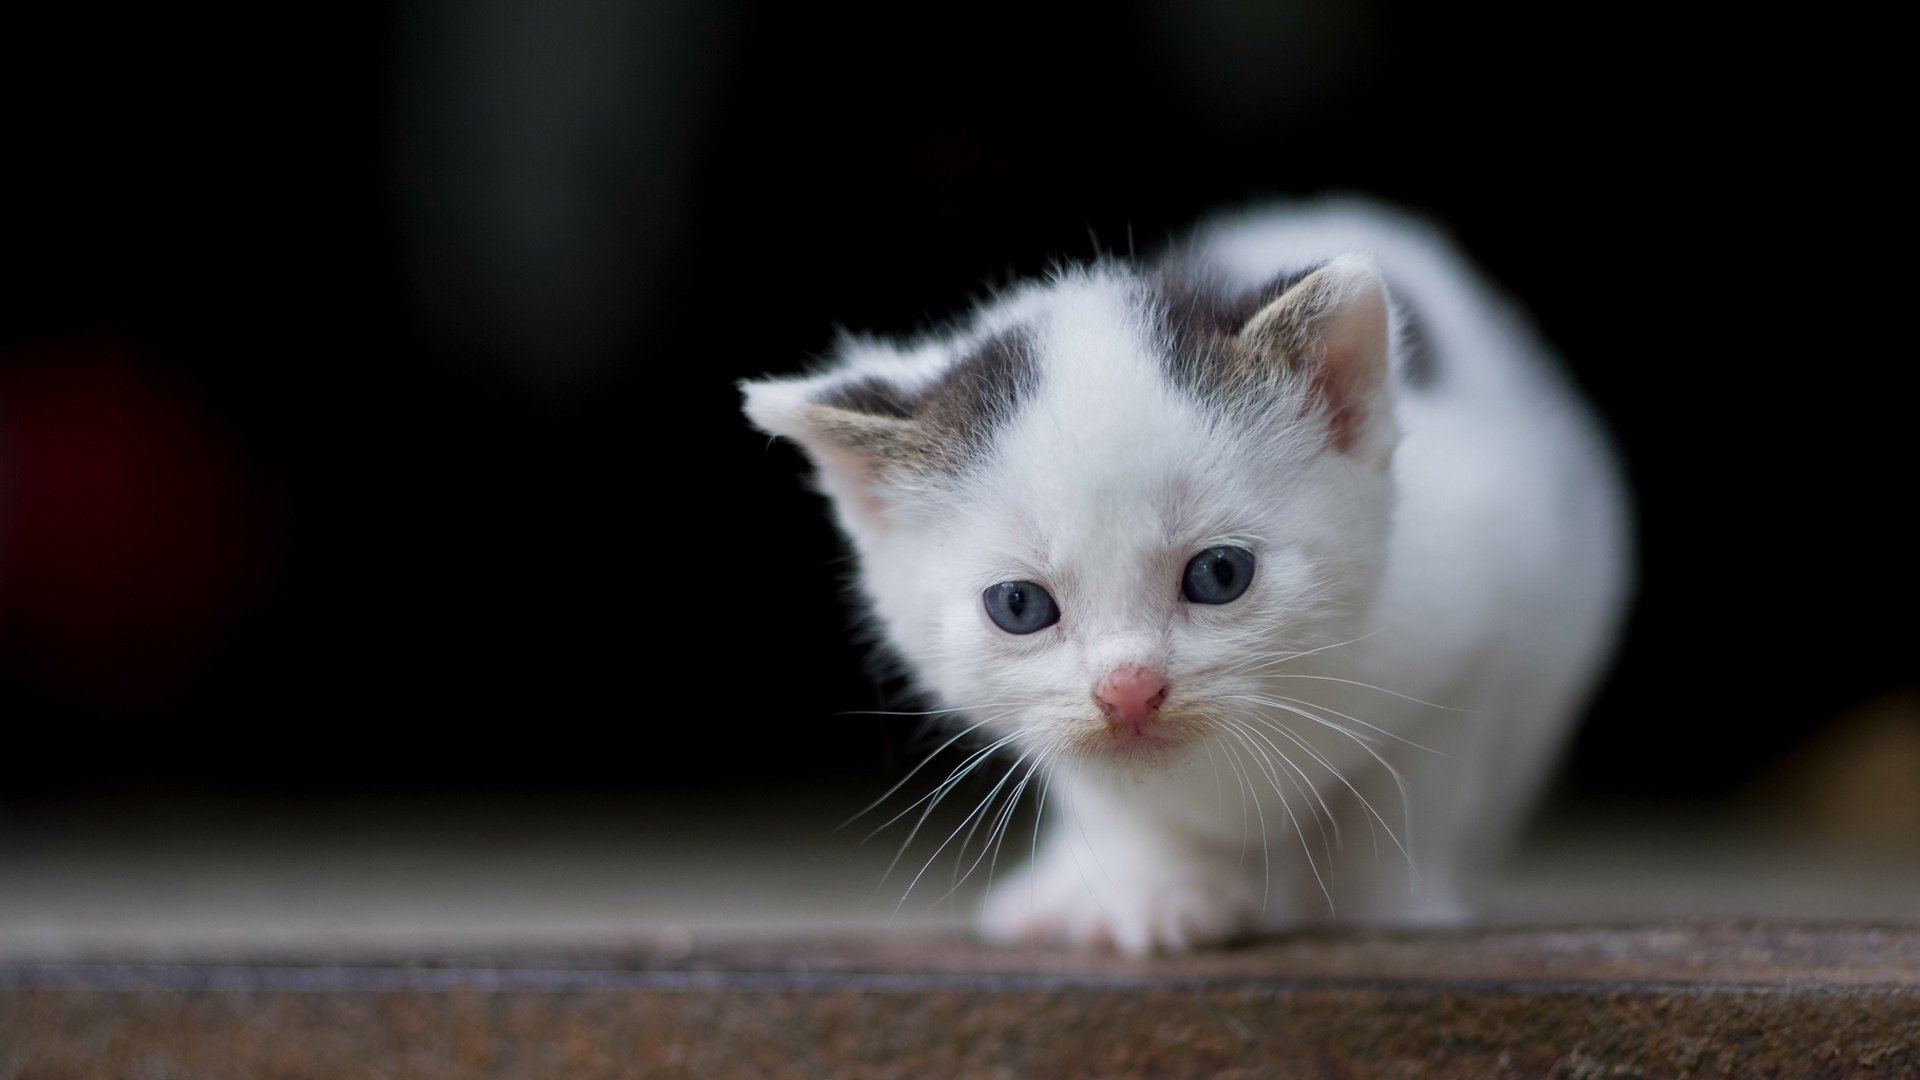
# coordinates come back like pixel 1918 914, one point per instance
pixel 129 541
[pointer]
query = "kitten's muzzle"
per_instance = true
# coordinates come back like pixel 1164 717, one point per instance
pixel 1130 697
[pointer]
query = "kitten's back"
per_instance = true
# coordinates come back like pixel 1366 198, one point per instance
pixel 1510 563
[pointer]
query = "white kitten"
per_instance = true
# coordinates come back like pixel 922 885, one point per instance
pixel 1286 562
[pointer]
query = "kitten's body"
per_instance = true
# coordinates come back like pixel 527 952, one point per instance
pixel 1441 562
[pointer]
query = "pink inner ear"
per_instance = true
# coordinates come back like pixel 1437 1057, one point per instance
pixel 871 504
pixel 1352 365
pixel 850 476
pixel 1343 398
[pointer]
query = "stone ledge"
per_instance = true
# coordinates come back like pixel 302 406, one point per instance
pixel 1688 1000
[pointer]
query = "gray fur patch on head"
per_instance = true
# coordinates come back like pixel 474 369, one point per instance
pixel 1213 350
pixel 1199 318
pixel 873 396
pixel 943 425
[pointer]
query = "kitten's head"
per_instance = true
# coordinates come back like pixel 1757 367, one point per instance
pixel 1093 515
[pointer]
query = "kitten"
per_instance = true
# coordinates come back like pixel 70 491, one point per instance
pixel 1285 562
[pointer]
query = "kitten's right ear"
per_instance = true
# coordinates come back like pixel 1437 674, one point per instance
pixel 1333 326
pixel 855 430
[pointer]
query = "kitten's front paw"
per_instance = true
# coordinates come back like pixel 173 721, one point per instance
pixel 1166 908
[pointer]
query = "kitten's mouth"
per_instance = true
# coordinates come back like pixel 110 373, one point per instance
pixel 1163 734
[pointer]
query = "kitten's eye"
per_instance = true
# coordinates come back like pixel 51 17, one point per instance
pixel 1218 575
pixel 1020 607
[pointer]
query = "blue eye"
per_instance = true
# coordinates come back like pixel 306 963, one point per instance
pixel 1020 607
pixel 1218 575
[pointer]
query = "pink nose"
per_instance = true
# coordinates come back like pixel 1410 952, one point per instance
pixel 1130 695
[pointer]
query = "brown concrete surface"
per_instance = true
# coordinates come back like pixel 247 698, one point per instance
pixel 1733 1000
pixel 723 936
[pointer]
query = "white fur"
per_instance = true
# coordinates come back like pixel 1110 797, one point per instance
pixel 1427 613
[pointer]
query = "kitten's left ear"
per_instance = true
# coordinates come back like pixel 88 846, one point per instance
pixel 1333 325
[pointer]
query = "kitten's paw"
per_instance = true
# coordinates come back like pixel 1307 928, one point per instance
pixel 1160 909
pixel 1189 914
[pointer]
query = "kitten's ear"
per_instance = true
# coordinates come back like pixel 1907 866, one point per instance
pixel 1334 325
pixel 853 428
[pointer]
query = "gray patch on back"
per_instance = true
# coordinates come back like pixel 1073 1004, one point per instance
pixel 1419 361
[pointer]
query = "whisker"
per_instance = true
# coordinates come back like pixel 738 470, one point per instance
pixel 978 809
pixel 933 799
pixel 1304 785
pixel 1307 790
pixel 1304 850
pixel 1040 768
pixel 980 815
pixel 1266 855
pixel 910 775
pixel 1246 796
pixel 1374 814
pixel 1039 754
pixel 932 712
pixel 1275 703
pixel 1219 791
pixel 1399 782
pixel 1091 853
pixel 1381 689
pixel 1004 821
pixel 1276 658
pixel 959 771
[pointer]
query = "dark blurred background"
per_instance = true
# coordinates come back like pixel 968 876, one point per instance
pixel 367 420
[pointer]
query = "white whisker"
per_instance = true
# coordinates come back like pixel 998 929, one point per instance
pixel 933 798
pixel 978 810
pixel 1370 686
pixel 1399 782
pixel 1266 855
pixel 1304 785
pixel 911 773
pixel 1278 701
pixel 1273 659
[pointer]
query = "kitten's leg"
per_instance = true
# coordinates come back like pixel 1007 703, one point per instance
pixel 1129 886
